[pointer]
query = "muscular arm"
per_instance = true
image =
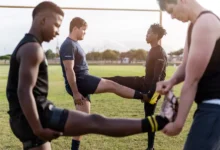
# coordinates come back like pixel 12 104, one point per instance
pixel 201 50
pixel 67 54
pixel 30 56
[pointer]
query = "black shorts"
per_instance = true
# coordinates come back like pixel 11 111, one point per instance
pixel 52 117
pixel 86 84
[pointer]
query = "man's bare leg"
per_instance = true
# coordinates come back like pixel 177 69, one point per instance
pixel 45 146
pixel 79 123
pixel 120 90
pixel 85 107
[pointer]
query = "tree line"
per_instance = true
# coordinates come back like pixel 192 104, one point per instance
pixel 107 55
pixel 113 55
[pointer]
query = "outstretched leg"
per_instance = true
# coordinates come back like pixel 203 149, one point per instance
pixel 120 90
pixel 79 123
pixel 91 84
pixel 133 82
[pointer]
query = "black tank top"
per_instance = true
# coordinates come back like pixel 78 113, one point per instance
pixel 40 90
pixel 209 84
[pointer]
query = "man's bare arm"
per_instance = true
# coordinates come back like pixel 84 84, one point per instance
pixel 70 74
pixel 30 56
pixel 201 50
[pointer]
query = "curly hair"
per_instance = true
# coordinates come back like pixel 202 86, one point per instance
pixel 159 30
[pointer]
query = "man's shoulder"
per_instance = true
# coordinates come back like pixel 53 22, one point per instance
pixel 68 44
pixel 158 50
pixel 159 53
pixel 201 22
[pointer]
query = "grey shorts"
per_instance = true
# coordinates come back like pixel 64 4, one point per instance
pixel 205 130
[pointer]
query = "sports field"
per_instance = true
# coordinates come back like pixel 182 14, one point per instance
pixel 108 105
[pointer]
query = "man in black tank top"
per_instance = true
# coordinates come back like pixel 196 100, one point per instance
pixel 33 119
pixel 155 70
pixel 201 75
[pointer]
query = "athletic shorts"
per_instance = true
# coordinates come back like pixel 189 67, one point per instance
pixel 204 133
pixel 87 84
pixel 52 117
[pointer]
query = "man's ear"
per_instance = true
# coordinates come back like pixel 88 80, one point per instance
pixel 42 21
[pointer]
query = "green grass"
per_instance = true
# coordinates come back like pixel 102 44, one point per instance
pixel 108 105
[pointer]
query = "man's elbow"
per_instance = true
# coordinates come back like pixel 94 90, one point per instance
pixel 192 81
pixel 69 72
pixel 22 92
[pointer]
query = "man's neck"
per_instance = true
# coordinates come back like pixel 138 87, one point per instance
pixel 196 9
pixel 154 44
pixel 73 37
pixel 35 31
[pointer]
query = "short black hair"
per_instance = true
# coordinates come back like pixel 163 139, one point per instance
pixel 159 30
pixel 47 5
pixel 77 22
pixel 162 3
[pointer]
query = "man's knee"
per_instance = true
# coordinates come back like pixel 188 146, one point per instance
pixel 110 86
pixel 85 107
pixel 45 146
pixel 96 120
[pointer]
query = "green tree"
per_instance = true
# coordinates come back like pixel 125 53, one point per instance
pixel 110 55
pixel 49 54
pixel 94 56
pixel 131 55
pixel 177 52
pixel 140 54
pixel 5 58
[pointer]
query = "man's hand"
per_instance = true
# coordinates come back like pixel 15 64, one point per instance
pixel 172 129
pixel 78 98
pixel 47 134
pixel 163 87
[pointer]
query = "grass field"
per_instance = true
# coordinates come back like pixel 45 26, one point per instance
pixel 108 105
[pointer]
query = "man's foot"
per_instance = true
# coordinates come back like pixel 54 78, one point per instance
pixel 169 107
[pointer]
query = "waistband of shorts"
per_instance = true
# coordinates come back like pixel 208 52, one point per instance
pixel 209 105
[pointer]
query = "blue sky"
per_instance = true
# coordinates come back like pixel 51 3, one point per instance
pixel 107 29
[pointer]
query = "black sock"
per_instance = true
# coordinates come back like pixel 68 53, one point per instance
pixel 75 145
pixel 138 95
pixel 151 137
pixel 154 123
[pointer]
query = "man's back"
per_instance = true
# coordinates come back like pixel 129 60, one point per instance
pixel 41 87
